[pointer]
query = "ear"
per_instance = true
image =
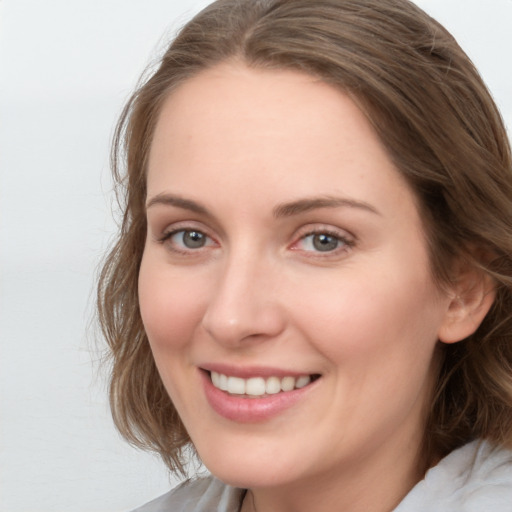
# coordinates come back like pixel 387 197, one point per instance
pixel 470 299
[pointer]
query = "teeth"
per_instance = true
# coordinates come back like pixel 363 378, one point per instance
pixel 215 379
pixel 303 381
pixel 236 386
pixel 287 383
pixel 258 386
pixel 223 382
pixel 273 385
pixel 255 386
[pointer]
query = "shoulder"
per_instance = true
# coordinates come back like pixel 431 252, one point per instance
pixel 197 495
pixel 474 478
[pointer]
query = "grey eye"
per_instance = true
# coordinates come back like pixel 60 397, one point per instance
pixel 323 242
pixel 192 239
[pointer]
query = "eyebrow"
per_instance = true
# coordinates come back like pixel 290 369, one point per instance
pixel 179 202
pixel 282 210
pixel 314 203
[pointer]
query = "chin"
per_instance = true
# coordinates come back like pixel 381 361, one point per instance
pixel 262 467
pixel 246 476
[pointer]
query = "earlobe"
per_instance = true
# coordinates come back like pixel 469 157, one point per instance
pixel 470 300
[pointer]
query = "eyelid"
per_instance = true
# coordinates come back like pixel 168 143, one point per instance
pixel 184 226
pixel 320 227
pixel 169 234
pixel 348 239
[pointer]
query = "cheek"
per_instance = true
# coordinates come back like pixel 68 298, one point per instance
pixel 379 342
pixel 374 318
pixel 171 306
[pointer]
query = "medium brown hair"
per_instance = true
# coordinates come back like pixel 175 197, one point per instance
pixel 440 126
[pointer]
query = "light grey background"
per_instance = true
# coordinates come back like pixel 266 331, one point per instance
pixel 66 67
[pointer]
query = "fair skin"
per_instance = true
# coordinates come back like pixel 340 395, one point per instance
pixel 283 243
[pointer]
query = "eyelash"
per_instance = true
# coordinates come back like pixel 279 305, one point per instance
pixel 168 235
pixel 344 243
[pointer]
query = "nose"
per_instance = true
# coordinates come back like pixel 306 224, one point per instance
pixel 244 307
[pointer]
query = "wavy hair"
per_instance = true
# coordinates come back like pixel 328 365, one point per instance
pixel 445 135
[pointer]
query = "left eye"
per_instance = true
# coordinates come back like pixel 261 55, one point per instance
pixel 189 239
pixel 322 242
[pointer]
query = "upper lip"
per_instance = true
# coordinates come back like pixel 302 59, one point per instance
pixel 246 372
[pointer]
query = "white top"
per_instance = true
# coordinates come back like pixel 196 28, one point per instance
pixel 474 478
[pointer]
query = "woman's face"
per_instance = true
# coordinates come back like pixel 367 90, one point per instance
pixel 286 260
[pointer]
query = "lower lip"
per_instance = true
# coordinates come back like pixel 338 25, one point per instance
pixel 251 410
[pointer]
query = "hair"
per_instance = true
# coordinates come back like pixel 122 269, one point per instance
pixel 442 130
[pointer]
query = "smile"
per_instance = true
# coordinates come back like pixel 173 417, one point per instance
pixel 246 398
pixel 258 386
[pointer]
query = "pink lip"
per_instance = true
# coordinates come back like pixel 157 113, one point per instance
pixel 251 410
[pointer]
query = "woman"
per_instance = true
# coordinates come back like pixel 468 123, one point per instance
pixel 312 283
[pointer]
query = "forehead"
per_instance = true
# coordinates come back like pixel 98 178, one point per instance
pixel 260 130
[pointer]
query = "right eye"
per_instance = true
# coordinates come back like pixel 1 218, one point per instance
pixel 184 240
